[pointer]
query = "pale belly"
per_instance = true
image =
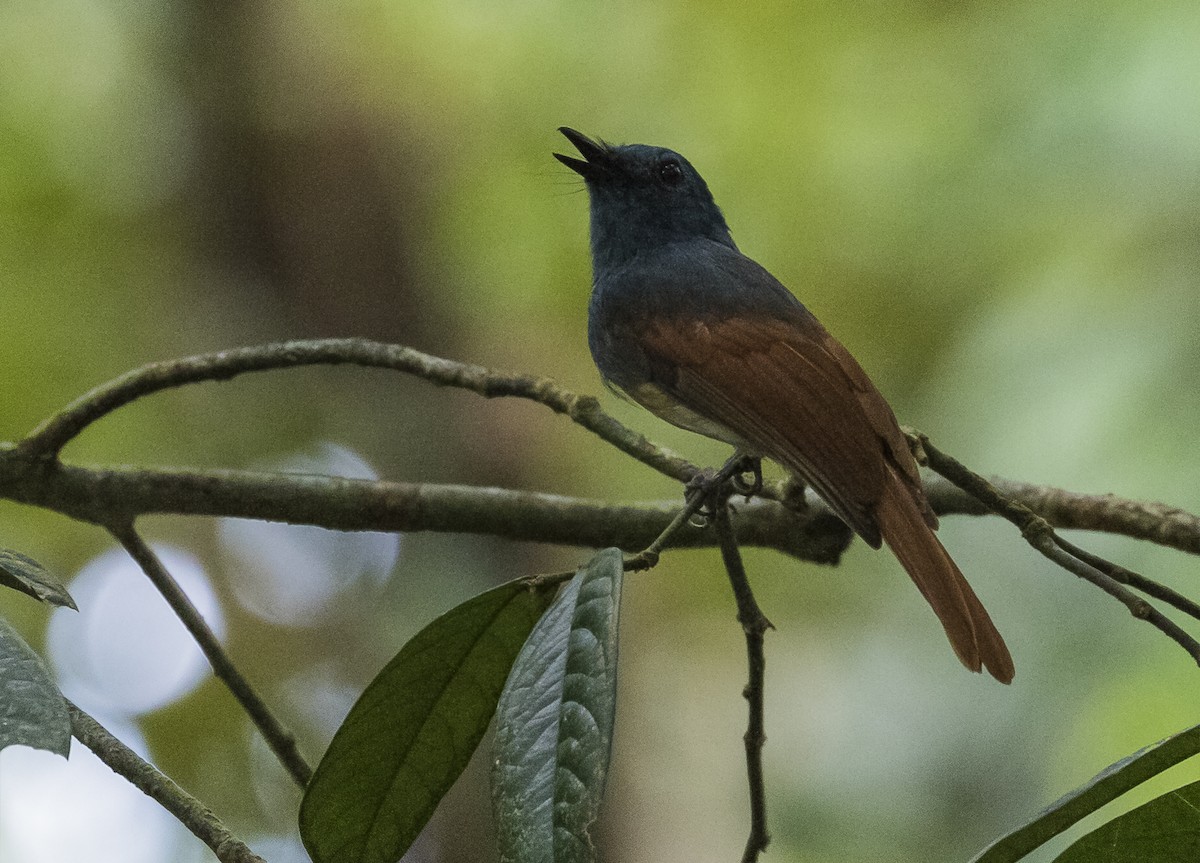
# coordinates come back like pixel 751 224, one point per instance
pixel 659 403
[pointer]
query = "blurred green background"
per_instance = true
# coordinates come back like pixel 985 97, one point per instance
pixel 996 206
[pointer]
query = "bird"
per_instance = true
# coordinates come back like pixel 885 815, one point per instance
pixel 685 325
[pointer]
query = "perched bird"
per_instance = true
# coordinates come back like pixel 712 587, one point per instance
pixel 687 326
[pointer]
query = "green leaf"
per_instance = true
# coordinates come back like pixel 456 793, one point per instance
pixel 414 729
pixel 1106 786
pixel 32 710
pixel 28 576
pixel 554 722
pixel 1165 830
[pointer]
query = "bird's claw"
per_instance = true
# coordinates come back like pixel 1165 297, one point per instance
pixel 742 473
pixel 747 466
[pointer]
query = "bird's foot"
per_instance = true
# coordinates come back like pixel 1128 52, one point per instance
pixel 746 478
pixel 742 474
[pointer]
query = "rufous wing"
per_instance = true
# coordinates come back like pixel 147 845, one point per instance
pixel 777 388
pixel 788 390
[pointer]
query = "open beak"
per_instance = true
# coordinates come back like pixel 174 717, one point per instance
pixel 595 153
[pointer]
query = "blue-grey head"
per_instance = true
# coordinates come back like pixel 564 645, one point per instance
pixel 642 198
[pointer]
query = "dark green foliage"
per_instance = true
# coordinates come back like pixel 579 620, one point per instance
pixel 28 576
pixel 414 729
pixel 554 723
pixel 32 710
pixel 1165 830
pixel 1106 786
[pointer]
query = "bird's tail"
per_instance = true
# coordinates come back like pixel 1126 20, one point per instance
pixel 968 626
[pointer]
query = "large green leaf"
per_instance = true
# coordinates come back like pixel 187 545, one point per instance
pixel 32 710
pixel 554 722
pixel 1106 786
pixel 414 729
pixel 1165 830
pixel 28 576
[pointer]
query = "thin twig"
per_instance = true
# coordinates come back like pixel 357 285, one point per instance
pixel 1038 533
pixel 281 741
pixel 647 558
pixel 193 814
pixel 754 625
pixel 48 439
pixel 696 498
pixel 1135 580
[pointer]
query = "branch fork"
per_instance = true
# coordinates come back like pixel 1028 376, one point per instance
pixel 779 515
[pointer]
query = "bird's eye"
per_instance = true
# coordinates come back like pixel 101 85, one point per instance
pixel 670 172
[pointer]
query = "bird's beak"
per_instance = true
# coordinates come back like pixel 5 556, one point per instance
pixel 595 153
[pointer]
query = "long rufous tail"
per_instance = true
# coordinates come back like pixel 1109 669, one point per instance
pixel 968 626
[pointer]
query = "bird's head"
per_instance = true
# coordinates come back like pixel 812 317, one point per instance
pixel 642 197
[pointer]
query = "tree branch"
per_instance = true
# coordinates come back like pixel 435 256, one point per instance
pixel 813 533
pixel 754 626
pixel 29 472
pixel 48 439
pixel 101 496
pixel 281 741
pixel 1135 580
pixel 193 814
pixel 1154 522
pixel 780 517
pixel 1037 532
